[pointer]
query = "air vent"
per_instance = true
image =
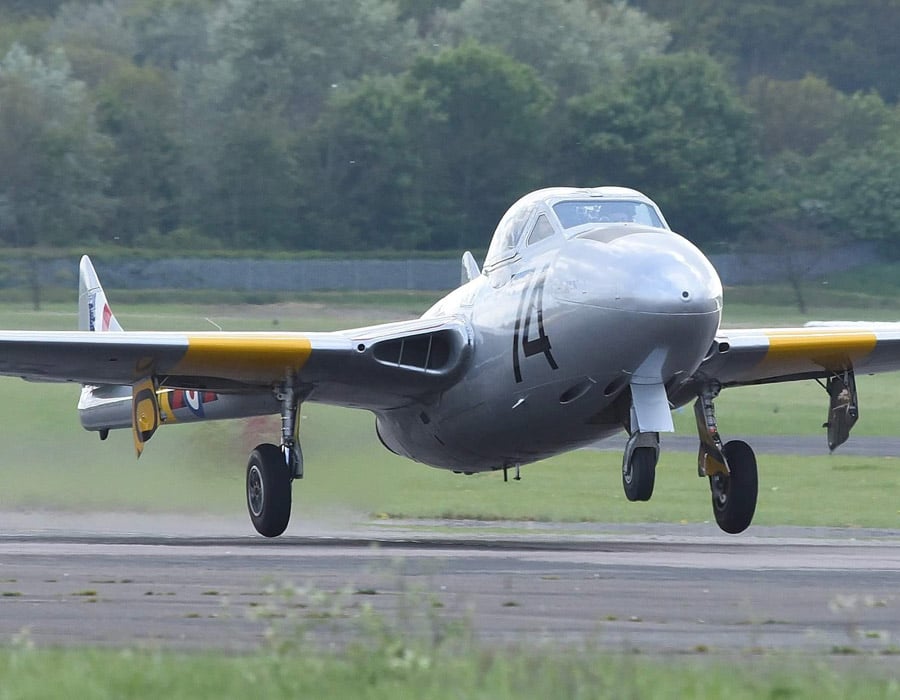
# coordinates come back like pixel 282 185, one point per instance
pixel 428 351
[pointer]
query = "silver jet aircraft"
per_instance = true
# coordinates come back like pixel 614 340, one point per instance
pixel 590 316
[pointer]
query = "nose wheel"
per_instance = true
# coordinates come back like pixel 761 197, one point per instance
pixel 639 474
pixel 639 465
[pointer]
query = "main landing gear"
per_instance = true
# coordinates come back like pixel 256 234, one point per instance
pixel 272 469
pixel 731 468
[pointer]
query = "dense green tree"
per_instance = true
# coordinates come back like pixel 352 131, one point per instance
pixel 803 115
pixel 828 159
pixel 572 46
pixel 433 159
pixel 170 32
pixel 424 11
pixel 96 38
pixel 795 115
pixel 854 46
pixel 477 129
pixel 135 109
pixel 675 129
pixel 378 123
pixel 360 172
pixel 857 190
pixel 54 171
pixel 286 56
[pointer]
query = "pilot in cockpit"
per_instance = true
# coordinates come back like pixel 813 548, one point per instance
pixel 617 212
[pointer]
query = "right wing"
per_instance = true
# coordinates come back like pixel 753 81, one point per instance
pixel 765 355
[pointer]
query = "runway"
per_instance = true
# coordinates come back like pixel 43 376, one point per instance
pixel 201 583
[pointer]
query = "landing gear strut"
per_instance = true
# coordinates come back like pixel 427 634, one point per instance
pixel 272 468
pixel 731 468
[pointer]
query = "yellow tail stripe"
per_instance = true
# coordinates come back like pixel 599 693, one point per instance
pixel 246 358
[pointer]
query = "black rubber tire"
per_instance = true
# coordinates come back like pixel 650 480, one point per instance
pixel 268 490
pixel 639 476
pixel 734 495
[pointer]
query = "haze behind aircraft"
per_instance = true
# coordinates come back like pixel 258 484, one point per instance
pixel 590 316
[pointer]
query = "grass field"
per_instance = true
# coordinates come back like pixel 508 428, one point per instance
pixel 392 670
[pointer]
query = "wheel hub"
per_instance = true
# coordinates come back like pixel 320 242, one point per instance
pixel 255 491
pixel 719 485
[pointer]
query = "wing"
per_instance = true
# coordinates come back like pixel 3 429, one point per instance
pixel 375 367
pixel 766 355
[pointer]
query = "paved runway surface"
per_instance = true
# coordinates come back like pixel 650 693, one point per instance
pixel 177 582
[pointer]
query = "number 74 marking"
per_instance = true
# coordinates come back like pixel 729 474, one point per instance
pixel 521 334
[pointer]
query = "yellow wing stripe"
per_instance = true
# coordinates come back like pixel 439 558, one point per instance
pixel 832 350
pixel 243 358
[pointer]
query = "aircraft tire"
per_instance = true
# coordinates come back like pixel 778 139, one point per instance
pixel 268 490
pixel 734 495
pixel 640 474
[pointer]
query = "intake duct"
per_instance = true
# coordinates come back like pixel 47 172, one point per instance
pixel 429 352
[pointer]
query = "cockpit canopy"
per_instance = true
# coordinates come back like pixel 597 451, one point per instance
pixel 572 213
pixel 564 211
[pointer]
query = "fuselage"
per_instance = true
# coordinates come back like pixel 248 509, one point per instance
pixel 561 329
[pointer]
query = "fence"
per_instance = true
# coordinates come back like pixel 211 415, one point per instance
pixel 249 275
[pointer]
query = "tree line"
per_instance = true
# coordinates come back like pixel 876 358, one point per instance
pixel 413 124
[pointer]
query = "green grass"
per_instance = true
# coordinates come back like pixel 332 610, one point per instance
pixel 393 670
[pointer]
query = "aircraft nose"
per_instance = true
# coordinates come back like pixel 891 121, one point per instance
pixel 645 272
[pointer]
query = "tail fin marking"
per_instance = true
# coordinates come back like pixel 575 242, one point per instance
pixel 94 312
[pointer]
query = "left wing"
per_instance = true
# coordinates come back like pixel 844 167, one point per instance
pixel 376 367
pixel 765 355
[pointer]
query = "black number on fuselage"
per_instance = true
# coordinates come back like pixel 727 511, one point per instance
pixel 531 346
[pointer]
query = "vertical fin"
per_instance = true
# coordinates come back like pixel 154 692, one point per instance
pixel 469 268
pixel 94 312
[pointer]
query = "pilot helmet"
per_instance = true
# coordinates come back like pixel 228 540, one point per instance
pixel 619 211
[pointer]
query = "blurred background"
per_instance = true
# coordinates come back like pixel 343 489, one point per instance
pixel 282 126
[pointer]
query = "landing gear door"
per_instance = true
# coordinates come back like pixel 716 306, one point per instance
pixel 144 412
pixel 843 408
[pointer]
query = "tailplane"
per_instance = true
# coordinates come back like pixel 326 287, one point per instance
pixel 94 312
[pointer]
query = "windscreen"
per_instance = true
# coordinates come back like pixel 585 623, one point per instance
pixel 592 211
